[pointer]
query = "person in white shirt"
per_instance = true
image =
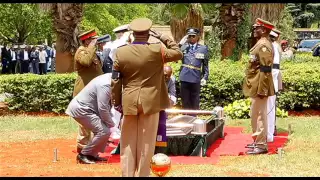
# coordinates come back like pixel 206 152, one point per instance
pixel 42 60
pixel 25 59
pixel 53 60
pixel 122 35
pixel 271 105
pixel 13 60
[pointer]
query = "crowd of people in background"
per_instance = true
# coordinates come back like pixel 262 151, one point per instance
pixel 22 59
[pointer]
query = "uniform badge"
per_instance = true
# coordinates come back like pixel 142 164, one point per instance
pixel 264 49
pixel 199 55
pixel 252 58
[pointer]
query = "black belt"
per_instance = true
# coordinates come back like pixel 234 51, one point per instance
pixel 276 66
pixel 265 68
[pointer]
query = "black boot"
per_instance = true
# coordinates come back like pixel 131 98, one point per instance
pixel 275 131
pixel 83 159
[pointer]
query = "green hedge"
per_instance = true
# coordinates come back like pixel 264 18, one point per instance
pixel 53 92
pixel 38 92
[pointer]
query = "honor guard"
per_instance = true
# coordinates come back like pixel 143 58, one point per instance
pixel 121 33
pixel 271 107
pixel 194 71
pixel 258 85
pixel 138 87
pixel 88 66
pixel 103 53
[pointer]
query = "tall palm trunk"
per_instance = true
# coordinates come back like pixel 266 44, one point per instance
pixel 231 15
pixel 267 11
pixel 193 19
pixel 66 18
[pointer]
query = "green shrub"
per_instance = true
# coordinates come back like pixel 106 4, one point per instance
pixel 38 93
pixel 240 110
pixel 53 92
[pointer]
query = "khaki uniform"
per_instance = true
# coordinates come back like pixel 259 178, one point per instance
pixel 143 93
pixel 258 81
pixel 88 66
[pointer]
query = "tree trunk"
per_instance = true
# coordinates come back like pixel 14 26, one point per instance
pixel 67 17
pixel 64 59
pixel 231 15
pixel 193 19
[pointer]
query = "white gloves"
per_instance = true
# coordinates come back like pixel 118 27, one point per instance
pixel 173 99
pixel 203 82
pixel 183 40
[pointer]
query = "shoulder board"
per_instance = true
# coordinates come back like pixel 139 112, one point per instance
pixel 123 45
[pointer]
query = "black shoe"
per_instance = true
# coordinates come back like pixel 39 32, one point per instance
pixel 252 145
pixel 256 151
pixel 83 159
pixel 97 159
pixel 275 131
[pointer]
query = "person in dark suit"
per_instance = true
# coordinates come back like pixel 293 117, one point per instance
pixel 5 59
pixel 24 57
pixel 194 71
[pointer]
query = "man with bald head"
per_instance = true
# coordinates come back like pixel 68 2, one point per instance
pixel 170 80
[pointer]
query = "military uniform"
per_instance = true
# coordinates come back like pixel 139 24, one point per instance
pixel 139 86
pixel 104 54
pixel 271 107
pixel 88 66
pixel 258 82
pixel 194 68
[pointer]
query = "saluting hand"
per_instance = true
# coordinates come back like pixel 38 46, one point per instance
pixel 155 34
pixel 93 42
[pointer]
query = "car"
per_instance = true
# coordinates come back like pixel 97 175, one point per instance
pixel 307 45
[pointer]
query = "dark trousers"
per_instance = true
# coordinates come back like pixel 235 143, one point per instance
pixel 42 68
pixel 13 66
pixel 25 66
pixel 35 67
pixel 5 66
pixel 190 95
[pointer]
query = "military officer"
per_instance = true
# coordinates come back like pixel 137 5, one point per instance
pixel 258 85
pixel 103 53
pixel 138 85
pixel 194 71
pixel 271 107
pixel 122 36
pixel 88 66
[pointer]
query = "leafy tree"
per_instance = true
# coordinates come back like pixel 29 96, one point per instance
pixel 24 23
pixel 285 25
pixel 304 13
pixel 105 17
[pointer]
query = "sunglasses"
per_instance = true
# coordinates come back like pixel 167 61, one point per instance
pixel 192 36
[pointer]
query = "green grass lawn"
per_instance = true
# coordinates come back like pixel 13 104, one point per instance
pixel 301 155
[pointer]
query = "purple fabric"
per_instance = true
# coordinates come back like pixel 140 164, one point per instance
pixel 140 43
pixel 162 127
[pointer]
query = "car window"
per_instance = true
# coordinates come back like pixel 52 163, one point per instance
pixel 308 44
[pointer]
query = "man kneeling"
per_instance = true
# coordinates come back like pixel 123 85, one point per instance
pixel 92 109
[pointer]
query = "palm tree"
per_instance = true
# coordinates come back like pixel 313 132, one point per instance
pixel 267 11
pixel 184 16
pixel 231 16
pixel 66 18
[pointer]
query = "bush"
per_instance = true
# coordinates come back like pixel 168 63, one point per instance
pixel 301 81
pixel 240 110
pixel 53 92
pixel 38 93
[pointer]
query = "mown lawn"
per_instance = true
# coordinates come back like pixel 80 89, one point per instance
pixel 301 154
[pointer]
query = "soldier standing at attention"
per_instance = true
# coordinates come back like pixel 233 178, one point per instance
pixel 192 76
pixel 102 53
pixel 258 85
pixel 88 66
pixel 138 85
pixel 277 83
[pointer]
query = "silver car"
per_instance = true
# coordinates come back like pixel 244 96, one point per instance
pixel 307 45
